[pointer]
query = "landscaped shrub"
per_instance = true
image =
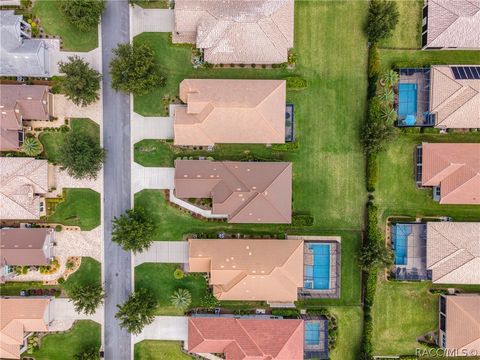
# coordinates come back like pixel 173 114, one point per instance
pixel 374 65
pixel 286 312
pixel 58 228
pixel 178 274
pixel 372 172
pixel 296 83
pixel 292 57
pixel 375 131
pixel 61 280
pixel 288 146
pixel 302 220
pixel 209 301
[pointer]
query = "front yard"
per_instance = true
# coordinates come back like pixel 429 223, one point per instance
pixel 154 350
pixel 89 273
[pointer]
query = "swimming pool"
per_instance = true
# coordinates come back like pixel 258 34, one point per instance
pixel 317 276
pixel 400 241
pixel 312 333
pixel 407 100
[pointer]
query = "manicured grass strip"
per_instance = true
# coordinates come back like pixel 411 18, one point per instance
pixel 407 34
pixel 54 22
pixel 151 4
pixel 83 335
pixel 156 350
pixel 81 207
pixel 425 58
pixel 89 273
pixel 350 325
pixel 397 193
pixel 88 126
pixel 159 279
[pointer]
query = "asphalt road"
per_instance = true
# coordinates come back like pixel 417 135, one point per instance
pixel 116 192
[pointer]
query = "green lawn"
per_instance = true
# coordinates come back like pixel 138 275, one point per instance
pixel 52 140
pixel 89 273
pixel 81 207
pixel 54 22
pixel 329 165
pixel 151 4
pixel 83 335
pixel 350 326
pixel 159 350
pixel 159 279
pixel 422 58
pixel 407 34
pixel 396 192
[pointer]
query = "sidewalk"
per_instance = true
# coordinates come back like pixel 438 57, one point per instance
pixel 164 252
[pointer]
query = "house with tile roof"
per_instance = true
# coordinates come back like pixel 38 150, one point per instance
pixel 19 54
pixel 24 247
pixel 452 169
pixel 455 96
pixel 18 103
pixel 453 252
pixel 19 318
pixel 451 24
pixel 239 269
pixel 230 112
pixel 23 183
pixel 236 32
pixel 459 323
pixel 246 192
pixel 247 338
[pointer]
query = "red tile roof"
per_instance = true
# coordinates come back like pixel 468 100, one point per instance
pixel 240 339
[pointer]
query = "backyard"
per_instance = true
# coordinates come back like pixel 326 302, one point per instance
pixel 54 23
pixel 80 207
pixel 83 335
pixel 153 350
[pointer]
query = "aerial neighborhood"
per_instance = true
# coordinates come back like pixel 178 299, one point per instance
pixel 239 179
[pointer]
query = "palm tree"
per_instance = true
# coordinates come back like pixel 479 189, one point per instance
pixel 31 146
pixel 387 96
pixel 181 298
pixel 390 78
pixel 86 298
pixel 389 115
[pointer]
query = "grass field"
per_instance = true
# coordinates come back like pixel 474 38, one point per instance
pixel 350 326
pixel 396 192
pixel 407 34
pixel 422 58
pixel 89 273
pixel 157 350
pixel 54 22
pixel 81 207
pixel 52 140
pixel 83 335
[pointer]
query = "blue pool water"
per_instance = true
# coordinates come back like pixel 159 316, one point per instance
pixel 407 100
pixel 400 242
pixel 318 275
pixel 312 333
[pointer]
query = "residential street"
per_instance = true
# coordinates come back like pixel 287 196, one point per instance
pixel 116 140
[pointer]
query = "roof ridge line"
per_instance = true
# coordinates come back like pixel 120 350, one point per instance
pixel 458 16
pixel 455 94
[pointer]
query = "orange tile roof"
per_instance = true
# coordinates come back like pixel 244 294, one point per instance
pixel 19 316
pixel 241 270
pixel 242 339
pixel 463 322
pixel 455 168
pixel 230 111
pixel 248 192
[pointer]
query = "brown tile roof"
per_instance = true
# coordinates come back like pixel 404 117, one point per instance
pixel 246 269
pixel 24 246
pixel 248 192
pixel 232 31
pixel 463 322
pixel 455 168
pixel 19 316
pixel 456 103
pixel 453 23
pixel 230 111
pixel 240 339
pixel 453 252
pixel 21 181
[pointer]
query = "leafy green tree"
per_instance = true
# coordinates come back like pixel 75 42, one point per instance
pixel 81 155
pixel 375 131
pixel 390 78
pixel 374 255
pixel 86 298
pixel 181 299
pixel 31 146
pixel 133 231
pixel 83 14
pixel 81 83
pixel 88 354
pixel 137 312
pixel 134 69
pixel 382 19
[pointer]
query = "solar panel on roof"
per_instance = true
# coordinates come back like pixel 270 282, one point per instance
pixel 455 72
pixel 476 72
pixel 462 73
pixel 466 72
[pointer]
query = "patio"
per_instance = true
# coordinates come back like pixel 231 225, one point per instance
pixel 413 99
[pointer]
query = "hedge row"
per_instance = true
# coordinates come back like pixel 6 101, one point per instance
pixel 296 83
pixel 372 172
pixel 302 220
pixel 288 146
pixel 286 312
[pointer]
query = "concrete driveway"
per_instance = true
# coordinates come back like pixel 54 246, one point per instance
pixel 93 57
pixel 165 328
pixel 164 252
pixel 150 20
pixel 63 315
pixel 152 178
pixel 151 127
